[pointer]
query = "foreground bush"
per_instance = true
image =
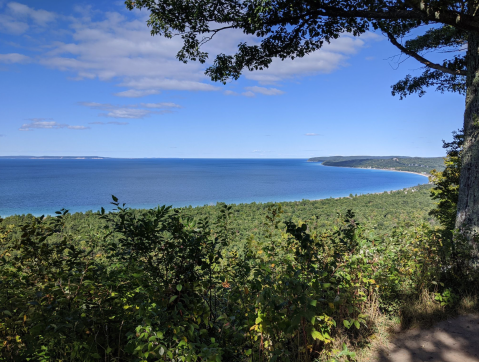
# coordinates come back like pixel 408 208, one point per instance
pixel 153 286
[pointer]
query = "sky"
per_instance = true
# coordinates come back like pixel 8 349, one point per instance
pixel 86 78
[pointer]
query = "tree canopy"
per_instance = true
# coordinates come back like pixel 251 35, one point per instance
pixel 291 29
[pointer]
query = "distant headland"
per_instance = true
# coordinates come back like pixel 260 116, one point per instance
pixel 54 157
pixel 420 165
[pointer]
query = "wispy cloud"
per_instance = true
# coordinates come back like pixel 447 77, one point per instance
pixel 133 93
pixel 265 91
pixel 18 18
pixel 77 127
pixel 161 105
pixel 112 122
pixel 248 94
pixel 46 123
pixel 14 58
pixel 130 111
pixel 230 93
pixel 331 57
pixel 312 134
pixel 40 17
pixel 112 47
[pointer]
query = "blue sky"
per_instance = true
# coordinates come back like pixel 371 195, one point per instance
pixel 86 78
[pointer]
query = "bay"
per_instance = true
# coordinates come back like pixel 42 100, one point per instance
pixel 43 186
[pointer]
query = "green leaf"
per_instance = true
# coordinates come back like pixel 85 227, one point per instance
pixel 356 324
pixel 173 298
pixel 179 287
pixel 317 335
pixel 314 302
pixel 346 323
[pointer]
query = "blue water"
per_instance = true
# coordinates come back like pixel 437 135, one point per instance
pixel 45 186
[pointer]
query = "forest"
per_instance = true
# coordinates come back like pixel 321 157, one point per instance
pixel 292 281
pixel 411 164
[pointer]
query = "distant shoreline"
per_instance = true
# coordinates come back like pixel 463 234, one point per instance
pixel 382 169
pixel 53 158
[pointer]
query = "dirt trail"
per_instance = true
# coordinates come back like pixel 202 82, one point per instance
pixel 453 340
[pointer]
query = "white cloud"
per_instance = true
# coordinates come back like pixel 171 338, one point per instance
pixel 46 123
pixel 312 134
pixel 230 93
pixel 121 49
pixel 129 111
pixel 112 122
pixel 326 60
pixel 265 91
pixel 16 17
pixel 41 17
pixel 248 94
pixel 161 105
pixel 10 25
pixel 14 58
pixel 77 127
pixel 133 93
pixel 168 84
pixel 112 47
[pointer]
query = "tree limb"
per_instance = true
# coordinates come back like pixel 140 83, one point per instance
pixel 422 60
pixel 461 21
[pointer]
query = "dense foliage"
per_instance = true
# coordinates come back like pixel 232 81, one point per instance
pixel 193 284
pixel 446 182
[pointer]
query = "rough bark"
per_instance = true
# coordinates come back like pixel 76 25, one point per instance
pixel 468 203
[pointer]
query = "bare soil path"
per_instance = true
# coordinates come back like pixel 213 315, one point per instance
pixel 453 340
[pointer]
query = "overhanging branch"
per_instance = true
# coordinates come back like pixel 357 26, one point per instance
pixel 422 60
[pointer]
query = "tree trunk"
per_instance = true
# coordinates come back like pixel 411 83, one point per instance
pixel 468 203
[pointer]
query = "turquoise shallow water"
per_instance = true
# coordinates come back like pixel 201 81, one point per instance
pixel 45 186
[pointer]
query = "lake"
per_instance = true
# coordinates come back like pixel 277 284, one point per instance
pixel 43 186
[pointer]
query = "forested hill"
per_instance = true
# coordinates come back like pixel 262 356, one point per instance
pixel 349 158
pixel 398 163
pixel 53 157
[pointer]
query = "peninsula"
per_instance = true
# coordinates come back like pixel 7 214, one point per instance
pixel 421 165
